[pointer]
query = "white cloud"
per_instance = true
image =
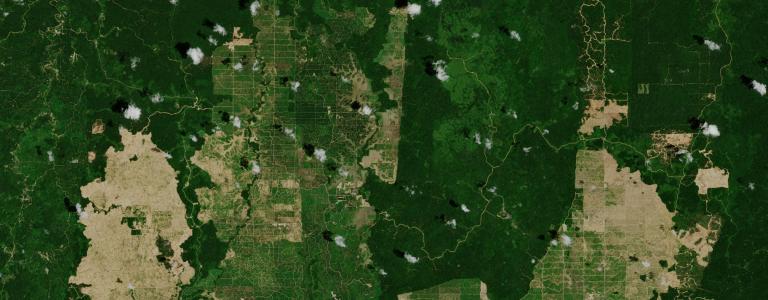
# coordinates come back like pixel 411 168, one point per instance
pixel 255 66
pixel 167 155
pixel 50 155
pixel 436 2
pixel 567 241
pixel 492 189
pixel 440 68
pixel 295 86
pixel 213 40
pixel 759 87
pixel 712 45
pixel 488 143
pixel 382 272
pixel 410 258
pixel 156 98
pixel 646 263
pixel 289 132
pixel 320 154
pixel 687 156
pixel 133 112
pixel 464 208
pixel 219 29
pixel 255 7
pixel 236 122
pixel 475 35
pixel 238 66
pixel 367 110
pixel 135 62
pixel 196 54
pixel 527 149
pixel 193 138
pixel 340 241
pixel 451 223
pixel 710 130
pixel 343 172
pixel 515 35
pixel 80 212
pixel 413 9
pixel 174 2
pixel 553 242
pixel 477 138
pixel 255 168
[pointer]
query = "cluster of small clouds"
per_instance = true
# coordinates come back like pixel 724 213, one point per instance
pixel 440 69
pixel 564 239
pixel 488 143
pixel 686 156
pixel 135 62
pixel 290 133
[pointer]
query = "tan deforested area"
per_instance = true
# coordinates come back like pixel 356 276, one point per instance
pixel 711 178
pixel 97 127
pixel 457 289
pixel 223 204
pixel 383 150
pixel 669 145
pixel 237 40
pixel 132 211
pixel 382 154
pixel 701 239
pixel 601 113
pixel 624 232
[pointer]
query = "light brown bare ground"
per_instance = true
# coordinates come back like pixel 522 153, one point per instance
pixel 667 145
pixel 711 178
pixel 602 114
pixel 97 127
pixel 120 265
pixel 701 239
pixel 628 214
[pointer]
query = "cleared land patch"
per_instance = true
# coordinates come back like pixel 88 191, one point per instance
pixel 136 224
